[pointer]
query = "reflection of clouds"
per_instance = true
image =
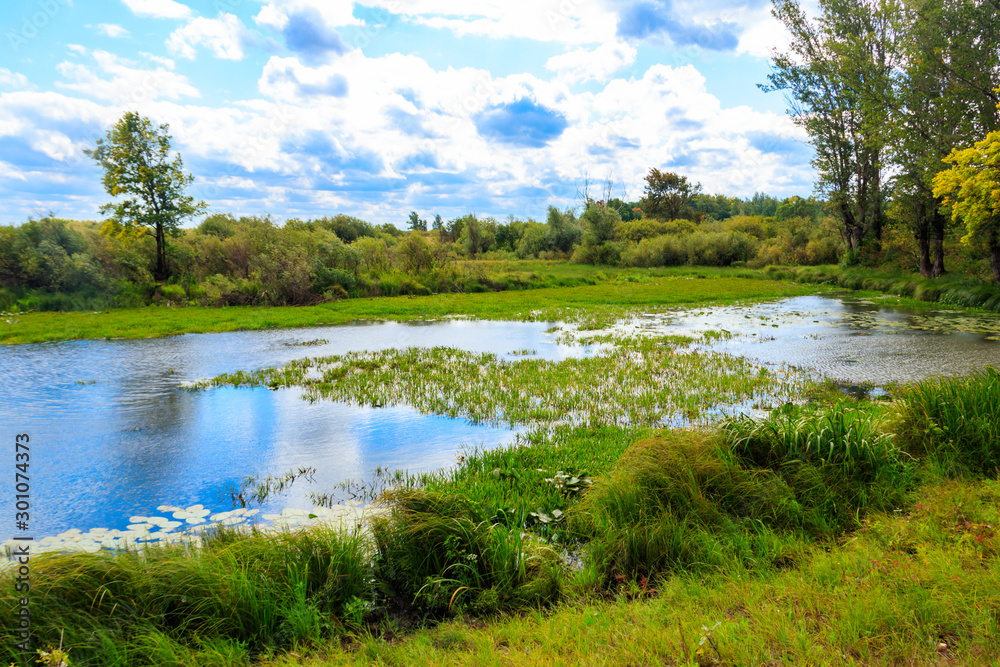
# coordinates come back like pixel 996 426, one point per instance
pixel 117 434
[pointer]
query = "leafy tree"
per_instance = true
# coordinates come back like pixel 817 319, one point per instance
pixel 668 195
pixel 972 187
pixel 944 98
pixel 416 224
pixel 148 185
pixel 835 75
pixel 477 235
pixel 797 207
pixel 438 222
pixel 413 254
pixel 626 210
pixel 564 231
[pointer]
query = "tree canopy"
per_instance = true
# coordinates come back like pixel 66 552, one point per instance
pixel 972 187
pixel 148 185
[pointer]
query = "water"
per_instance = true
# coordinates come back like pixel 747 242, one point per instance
pixel 851 341
pixel 114 435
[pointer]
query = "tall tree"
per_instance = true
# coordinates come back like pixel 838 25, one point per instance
pixel 148 185
pixel 834 74
pixel 945 99
pixel 416 224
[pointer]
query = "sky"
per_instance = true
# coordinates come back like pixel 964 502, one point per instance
pixel 306 108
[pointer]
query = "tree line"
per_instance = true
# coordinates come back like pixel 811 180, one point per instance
pixel 894 94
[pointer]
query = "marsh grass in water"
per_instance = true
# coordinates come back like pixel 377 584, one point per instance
pixel 637 381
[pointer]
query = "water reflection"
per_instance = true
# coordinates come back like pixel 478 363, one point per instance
pixel 113 435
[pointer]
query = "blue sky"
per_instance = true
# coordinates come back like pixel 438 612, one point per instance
pixel 303 108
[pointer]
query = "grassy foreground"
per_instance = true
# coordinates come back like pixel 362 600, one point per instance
pixel 837 533
pixel 609 294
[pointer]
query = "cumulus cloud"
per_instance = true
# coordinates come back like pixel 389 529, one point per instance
pixel 10 79
pixel 112 30
pixel 599 64
pixel 223 35
pixel 288 79
pixel 565 21
pixel 123 83
pixel 309 27
pixel 160 9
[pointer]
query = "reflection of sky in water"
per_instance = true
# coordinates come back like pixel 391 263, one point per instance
pixel 113 435
pixel 850 341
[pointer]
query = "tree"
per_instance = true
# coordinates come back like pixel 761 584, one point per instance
pixel 438 222
pixel 148 185
pixel 416 224
pixel 836 72
pixel 944 99
pixel 667 195
pixel 972 187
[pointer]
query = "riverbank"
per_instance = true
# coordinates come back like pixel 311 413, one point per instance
pixel 609 296
pixel 841 531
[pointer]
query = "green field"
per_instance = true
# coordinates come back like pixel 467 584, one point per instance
pixel 610 296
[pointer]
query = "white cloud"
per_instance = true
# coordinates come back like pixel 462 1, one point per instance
pixel 160 9
pixel 599 64
pixel 124 84
pixel 10 79
pixel 112 30
pixel 223 35
pixel 566 21
pixel 166 62
pixel 763 36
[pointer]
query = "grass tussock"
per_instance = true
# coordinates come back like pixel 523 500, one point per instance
pixel 439 552
pixel 235 596
pixel 955 421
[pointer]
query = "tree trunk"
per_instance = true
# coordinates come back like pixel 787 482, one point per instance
pixel 995 255
pixel 161 254
pixel 938 230
pixel 924 246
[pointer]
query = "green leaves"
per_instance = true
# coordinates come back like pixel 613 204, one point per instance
pixel 147 184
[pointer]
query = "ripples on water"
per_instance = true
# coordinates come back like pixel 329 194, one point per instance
pixel 113 434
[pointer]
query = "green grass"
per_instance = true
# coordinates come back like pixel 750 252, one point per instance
pixel 609 297
pixel 913 587
pixel 809 535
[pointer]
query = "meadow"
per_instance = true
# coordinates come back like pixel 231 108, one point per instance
pixel 637 519
pixel 589 294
